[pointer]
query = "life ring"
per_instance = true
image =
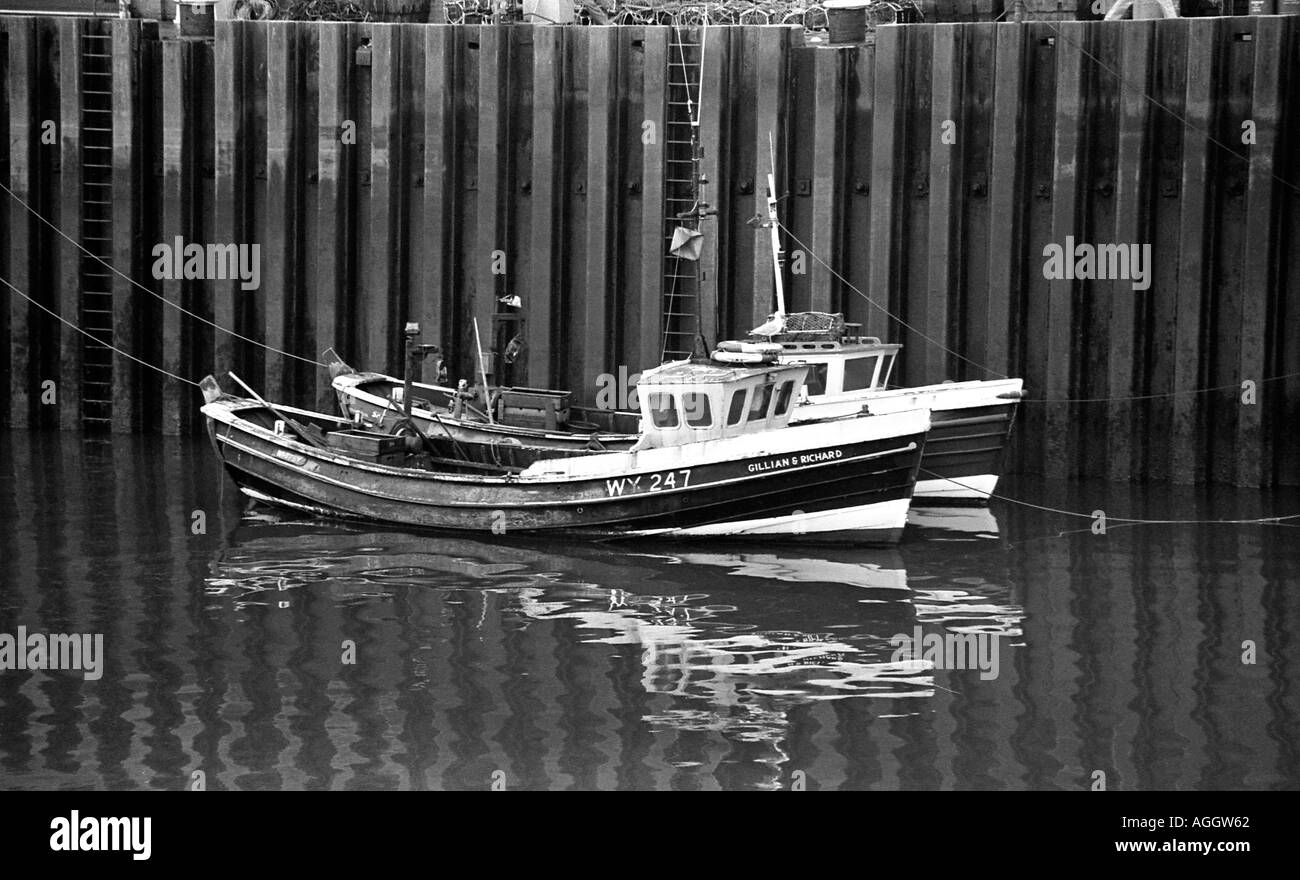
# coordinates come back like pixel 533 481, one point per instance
pixel 765 348
pixel 744 357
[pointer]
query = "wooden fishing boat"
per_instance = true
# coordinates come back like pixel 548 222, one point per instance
pixel 717 457
pixel 970 422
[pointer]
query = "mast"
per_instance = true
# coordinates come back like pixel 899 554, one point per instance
pixel 778 256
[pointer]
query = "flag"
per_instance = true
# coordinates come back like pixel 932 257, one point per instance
pixel 687 243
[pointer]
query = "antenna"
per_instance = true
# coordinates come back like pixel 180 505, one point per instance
pixel 704 44
pixel 778 256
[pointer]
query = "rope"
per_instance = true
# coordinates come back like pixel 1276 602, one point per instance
pixel 1054 400
pixel 152 293
pixel 96 339
pixel 1265 520
pixel 884 310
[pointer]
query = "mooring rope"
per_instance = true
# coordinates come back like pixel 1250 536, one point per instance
pixel 1056 400
pixel 882 309
pixel 94 338
pixel 1121 520
pixel 152 293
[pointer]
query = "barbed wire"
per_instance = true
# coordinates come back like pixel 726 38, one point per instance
pixel 301 10
pixel 687 13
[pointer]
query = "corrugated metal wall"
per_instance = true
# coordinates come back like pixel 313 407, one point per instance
pixel 929 170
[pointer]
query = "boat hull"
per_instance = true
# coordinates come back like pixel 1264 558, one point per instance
pixel 970 427
pixel 963 454
pixel 851 486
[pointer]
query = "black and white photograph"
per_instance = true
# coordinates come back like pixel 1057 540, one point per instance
pixel 651 395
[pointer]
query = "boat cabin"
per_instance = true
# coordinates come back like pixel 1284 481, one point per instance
pixel 689 402
pixel 840 359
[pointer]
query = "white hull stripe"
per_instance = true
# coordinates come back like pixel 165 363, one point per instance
pixel 878 516
pixel 979 486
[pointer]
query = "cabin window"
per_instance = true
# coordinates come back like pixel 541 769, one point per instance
pixel 663 410
pixel 886 367
pixel 783 397
pixel 695 406
pixel 737 408
pixel 817 379
pixel 758 405
pixel 858 373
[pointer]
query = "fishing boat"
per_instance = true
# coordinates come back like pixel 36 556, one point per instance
pixel 717 457
pixel 971 421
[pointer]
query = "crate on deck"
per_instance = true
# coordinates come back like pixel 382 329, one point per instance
pixel 369 446
pixel 533 408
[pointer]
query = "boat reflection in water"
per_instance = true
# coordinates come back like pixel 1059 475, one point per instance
pixel 225 647
pixel 727 640
pixel 964 599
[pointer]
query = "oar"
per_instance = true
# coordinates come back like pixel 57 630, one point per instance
pixel 482 367
pixel 303 432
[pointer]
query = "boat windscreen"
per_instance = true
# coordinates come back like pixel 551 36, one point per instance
pixel 783 397
pixel 663 410
pixel 695 405
pixel 817 379
pixel 736 411
pixel 860 372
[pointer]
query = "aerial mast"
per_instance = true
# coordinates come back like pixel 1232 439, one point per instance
pixel 778 256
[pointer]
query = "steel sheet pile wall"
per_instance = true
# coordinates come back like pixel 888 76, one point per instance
pixel 465 164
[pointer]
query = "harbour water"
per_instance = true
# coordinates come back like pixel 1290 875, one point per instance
pixel 267 651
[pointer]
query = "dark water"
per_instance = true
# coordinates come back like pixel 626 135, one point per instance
pixel 695 666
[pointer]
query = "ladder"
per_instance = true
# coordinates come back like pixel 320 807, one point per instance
pixel 96 226
pixel 681 191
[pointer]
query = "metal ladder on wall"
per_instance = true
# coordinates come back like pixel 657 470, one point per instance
pixel 96 226
pixel 681 191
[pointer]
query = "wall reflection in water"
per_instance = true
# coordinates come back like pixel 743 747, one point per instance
pixel 636 666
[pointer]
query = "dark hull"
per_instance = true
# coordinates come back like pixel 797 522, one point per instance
pixel 964 445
